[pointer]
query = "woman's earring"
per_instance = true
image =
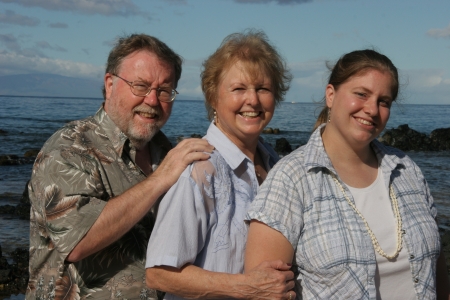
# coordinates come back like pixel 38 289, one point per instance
pixel 329 115
pixel 215 118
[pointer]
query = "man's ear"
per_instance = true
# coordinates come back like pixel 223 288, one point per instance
pixel 108 81
pixel 330 92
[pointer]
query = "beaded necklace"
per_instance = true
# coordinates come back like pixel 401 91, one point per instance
pixel 397 216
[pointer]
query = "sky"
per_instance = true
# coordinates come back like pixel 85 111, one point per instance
pixel 73 37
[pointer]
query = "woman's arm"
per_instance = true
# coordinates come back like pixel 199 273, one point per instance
pixel 268 280
pixel 266 244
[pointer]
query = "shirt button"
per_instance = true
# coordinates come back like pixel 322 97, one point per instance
pixel 403 231
pixel 411 256
pixel 416 280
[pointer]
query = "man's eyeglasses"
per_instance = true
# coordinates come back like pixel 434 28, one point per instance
pixel 141 89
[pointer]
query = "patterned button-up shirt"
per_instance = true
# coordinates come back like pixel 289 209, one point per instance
pixel 333 251
pixel 201 218
pixel 78 170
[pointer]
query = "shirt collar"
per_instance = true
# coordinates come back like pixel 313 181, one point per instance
pixel 229 151
pixel 159 144
pixel 113 133
pixel 316 156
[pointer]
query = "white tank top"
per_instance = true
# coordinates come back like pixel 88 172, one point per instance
pixel 393 278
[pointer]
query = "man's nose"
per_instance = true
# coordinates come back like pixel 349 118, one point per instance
pixel 152 98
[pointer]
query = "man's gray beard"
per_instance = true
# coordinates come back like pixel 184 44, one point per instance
pixel 140 143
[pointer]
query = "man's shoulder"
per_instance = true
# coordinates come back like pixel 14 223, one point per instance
pixel 71 132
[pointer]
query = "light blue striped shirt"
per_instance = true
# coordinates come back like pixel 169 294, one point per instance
pixel 201 218
pixel 333 251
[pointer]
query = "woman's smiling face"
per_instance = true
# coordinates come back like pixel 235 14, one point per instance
pixel 360 107
pixel 244 105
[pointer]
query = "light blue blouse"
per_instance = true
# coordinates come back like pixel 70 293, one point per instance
pixel 201 218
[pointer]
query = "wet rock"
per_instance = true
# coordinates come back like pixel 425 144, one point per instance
pixel 445 242
pixel 282 146
pixel 32 153
pixel 12 159
pixel 22 210
pixel 440 139
pixel 196 135
pixel 7 209
pixel 14 277
pixel 269 130
pixel 406 139
pixel 9 159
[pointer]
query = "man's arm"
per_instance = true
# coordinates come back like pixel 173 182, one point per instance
pixel 122 212
pixel 269 280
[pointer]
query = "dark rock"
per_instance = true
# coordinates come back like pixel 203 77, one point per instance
pixel 3 132
pixel 195 135
pixel 25 199
pixel 180 138
pixel 282 146
pixel 5 276
pixel 406 139
pixel 9 159
pixel 269 130
pixel 14 277
pixel 7 209
pixel 440 139
pixel 12 160
pixel 32 153
pixel 23 211
pixel 445 242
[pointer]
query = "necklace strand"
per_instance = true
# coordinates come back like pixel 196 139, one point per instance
pixel 397 216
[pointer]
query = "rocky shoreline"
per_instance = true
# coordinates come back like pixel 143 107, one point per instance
pixel 14 276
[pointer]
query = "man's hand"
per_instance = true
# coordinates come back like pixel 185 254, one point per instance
pixel 269 280
pixel 177 159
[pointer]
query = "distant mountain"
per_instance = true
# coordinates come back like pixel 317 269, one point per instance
pixel 50 85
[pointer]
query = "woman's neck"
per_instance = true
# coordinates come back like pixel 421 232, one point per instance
pixel 356 166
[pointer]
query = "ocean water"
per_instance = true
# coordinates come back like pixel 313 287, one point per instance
pixel 30 121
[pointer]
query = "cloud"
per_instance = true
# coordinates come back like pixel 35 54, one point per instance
pixel 428 86
pixel 46 45
pixel 10 17
pixel 428 78
pixel 123 8
pixel 439 33
pixel 281 2
pixel 13 63
pixel 10 42
pixel 58 25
